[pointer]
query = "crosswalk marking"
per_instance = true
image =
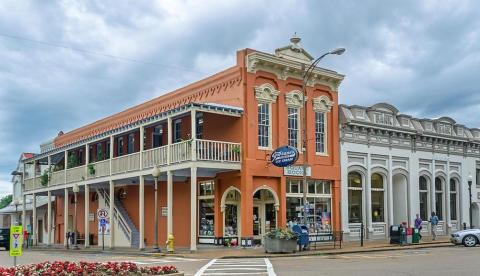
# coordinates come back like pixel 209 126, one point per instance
pixel 260 266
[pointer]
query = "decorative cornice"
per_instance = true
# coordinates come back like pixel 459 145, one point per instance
pixel 284 68
pixel 322 103
pixel 294 99
pixel 266 93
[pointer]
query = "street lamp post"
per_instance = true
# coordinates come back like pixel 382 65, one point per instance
pixel 306 77
pixel 470 199
pixel 75 191
pixel 156 174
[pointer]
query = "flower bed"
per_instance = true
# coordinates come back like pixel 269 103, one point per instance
pixel 85 268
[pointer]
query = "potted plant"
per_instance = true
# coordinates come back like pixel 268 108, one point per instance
pixel 72 161
pixel 91 169
pixel 281 241
pixel 45 177
pixel 236 149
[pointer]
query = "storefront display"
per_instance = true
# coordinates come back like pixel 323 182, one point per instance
pixel 207 217
pixel 231 226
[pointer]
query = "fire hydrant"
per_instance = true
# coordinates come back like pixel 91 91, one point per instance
pixel 170 243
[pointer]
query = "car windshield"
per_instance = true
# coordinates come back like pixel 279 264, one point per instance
pixel 4 231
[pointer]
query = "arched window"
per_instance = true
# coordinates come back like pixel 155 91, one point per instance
pixel 378 191
pixel 453 199
pixel 423 189
pixel 355 188
pixel 439 198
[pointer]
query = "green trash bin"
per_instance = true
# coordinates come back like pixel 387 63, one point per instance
pixel 416 235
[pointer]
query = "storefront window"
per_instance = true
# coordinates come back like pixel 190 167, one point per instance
pixel 378 206
pixel 319 204
pixel 423 189
pixel 453 199
pixel 355 188
pixel 439 198
pixel 206 210
pixel 231 224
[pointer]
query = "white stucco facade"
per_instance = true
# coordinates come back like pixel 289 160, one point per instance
pixel 385 156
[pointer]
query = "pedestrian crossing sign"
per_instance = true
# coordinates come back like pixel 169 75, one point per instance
pixel 16 241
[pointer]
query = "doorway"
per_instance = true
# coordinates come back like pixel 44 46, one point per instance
pixel 399 189
pixel 264 214
pixel 40 231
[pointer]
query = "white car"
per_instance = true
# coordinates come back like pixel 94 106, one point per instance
pixel 469 237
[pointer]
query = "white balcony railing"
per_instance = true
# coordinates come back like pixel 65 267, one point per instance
pixel 206 150
pixel 38 183
pixel 127 163
pixel 155 157
pixel 28 184
pixel 101 168
pixel 218 151
pixel 76 174
pixel 57 178
pixel 181 151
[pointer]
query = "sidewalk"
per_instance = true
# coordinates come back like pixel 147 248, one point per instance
pixel 218 252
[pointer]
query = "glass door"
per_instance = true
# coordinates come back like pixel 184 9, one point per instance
pixel 257 224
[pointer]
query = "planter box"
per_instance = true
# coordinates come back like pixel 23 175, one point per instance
pixel 280 245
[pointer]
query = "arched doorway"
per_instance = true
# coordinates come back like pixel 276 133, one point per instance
pixel 399 204
pixel 230 206
pixel 265 207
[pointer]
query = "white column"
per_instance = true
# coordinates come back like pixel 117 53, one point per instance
pixel 34 219
pixel 169 139
pixel 368 196
pixel 141 200
pixel 390 194
pixel 142 146
pixel 448 223
pixel 193 208
pixel 65 171
pixel 193 115
pixel 112 216
pixel 170 202
pixel 49 164
pixel 87 158
pixel 24 212
pixel 49 218
pixel 433 207
pixel 65 217
pixel 87 214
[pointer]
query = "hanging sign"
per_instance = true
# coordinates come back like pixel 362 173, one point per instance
pixel 284 156
pixel 16 240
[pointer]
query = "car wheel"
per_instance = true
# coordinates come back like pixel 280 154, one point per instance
pixel 470 241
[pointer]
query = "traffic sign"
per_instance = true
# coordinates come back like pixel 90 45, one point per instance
pixel 103 222
pixel 102 214
pixel 16 241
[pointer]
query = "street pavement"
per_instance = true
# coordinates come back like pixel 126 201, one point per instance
pixel 451 260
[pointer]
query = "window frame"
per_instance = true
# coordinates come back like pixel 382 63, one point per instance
pixel 325 133
pixel 296 131
pixel 177 131
pixel 378 190
pixel 352 189
pixel 269 126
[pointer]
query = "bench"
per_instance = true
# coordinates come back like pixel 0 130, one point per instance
pixel 334 236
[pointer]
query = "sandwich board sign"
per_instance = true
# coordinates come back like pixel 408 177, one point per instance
pixel 16 241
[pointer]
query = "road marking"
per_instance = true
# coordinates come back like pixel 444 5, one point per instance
pixel 237 267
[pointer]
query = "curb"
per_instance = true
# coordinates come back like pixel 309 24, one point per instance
pixel 319 253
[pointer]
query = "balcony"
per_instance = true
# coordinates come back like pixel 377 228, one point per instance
pixel 212 152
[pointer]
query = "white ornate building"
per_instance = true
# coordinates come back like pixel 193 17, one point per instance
pixel 395 166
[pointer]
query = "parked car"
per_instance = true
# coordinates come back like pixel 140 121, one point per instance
pixel 5 238
pixel 469 237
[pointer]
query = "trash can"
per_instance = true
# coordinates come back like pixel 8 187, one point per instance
pixel 394 234
pixel 409 235
pixel 303 238
pixel 416 235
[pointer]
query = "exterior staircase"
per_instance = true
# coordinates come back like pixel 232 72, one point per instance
pixel 123 219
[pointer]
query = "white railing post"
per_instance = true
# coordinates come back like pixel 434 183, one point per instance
pixel 142 146
pixel 65 169
pixel 193 131
pixel 169 140
pixel 49 172
pixel 87 158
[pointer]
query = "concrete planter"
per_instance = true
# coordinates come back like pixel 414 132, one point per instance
pixel 280 245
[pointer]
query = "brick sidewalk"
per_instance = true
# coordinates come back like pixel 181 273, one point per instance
pixel 211 252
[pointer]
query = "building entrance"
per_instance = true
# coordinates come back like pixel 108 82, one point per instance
pixel 264 214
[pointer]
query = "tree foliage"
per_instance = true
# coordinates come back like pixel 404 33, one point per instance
pixel 4 201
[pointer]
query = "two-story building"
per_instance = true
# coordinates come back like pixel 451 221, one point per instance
pixel 395 166
pixel 211 141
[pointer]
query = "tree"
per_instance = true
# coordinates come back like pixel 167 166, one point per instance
pixel 4 201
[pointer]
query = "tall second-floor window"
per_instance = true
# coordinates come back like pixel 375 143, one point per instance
pixel 264 125
pixel 199 124
pixel 320 131
pixel 131 143
pixel 177 131
pixel 100 155
pixel 120 146
pixel 157 136
pixel 293 129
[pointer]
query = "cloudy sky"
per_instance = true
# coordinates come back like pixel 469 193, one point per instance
pixel 66 63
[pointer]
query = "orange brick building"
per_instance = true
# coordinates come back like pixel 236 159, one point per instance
pixel 211 141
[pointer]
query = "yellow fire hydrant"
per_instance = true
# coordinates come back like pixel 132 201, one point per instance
pixel 170 243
